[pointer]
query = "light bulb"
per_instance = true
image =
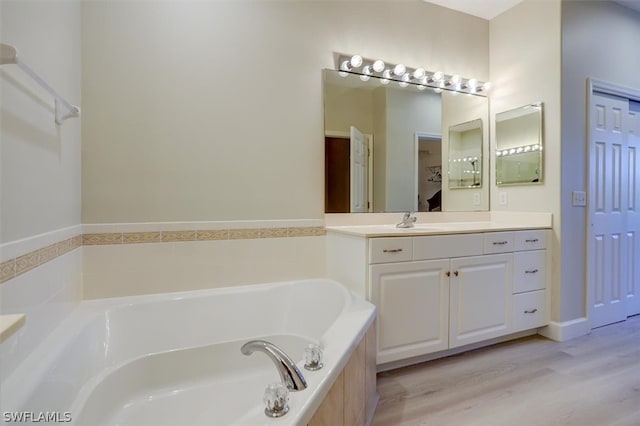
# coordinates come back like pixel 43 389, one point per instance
pixel 455 80
pixel 378 66
pixel 345 66
pixel 405 80
pixel 486 86
pixel 366 73
pixel 437 76
pixel 399 70
pixel 419 73
pixel 386 76
pixel 356 61
pixel 473 84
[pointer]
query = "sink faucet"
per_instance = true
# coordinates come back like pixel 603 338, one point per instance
pixel 291 377
pixel 407 220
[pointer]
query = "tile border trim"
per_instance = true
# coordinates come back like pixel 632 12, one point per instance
pixel 20 264
pixel 114 238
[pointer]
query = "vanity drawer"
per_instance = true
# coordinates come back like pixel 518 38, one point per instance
pixel 529 310
pixel 394 249
pixel 498 242
pixel 529 270
pixel 530 240
pixel 444 246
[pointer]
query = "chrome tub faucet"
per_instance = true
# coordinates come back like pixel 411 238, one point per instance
pixel 290 375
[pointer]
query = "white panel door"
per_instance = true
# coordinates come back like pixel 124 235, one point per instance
pixel 358 169
pixel 608 189
pixel 632 235
pixel 480 298
pixel 413 308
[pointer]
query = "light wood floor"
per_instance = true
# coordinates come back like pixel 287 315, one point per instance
pixel 593 380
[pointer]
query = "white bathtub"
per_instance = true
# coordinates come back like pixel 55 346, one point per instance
pixel 174 359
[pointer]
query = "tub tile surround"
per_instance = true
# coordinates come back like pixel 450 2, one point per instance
pixel 133 259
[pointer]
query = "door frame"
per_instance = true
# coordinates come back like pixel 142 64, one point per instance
pixel 613 89
pixel 416 163
pixel 347 135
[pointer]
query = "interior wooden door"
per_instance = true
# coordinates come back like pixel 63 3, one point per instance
pixel 608 254
pixel 336 175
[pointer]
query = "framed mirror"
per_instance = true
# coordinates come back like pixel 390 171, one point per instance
pixel 386 150
pixel 465 155
pixel 519 146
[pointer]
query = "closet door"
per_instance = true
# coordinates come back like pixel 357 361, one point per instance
pixel 608 236
pixel 632 235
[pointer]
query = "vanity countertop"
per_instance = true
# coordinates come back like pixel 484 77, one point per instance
pixel 492 223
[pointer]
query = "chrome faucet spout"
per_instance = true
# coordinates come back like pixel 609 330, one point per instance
pixel 407 220
pixel 290 375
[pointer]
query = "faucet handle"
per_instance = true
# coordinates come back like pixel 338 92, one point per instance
pixel 313 357
pixel 276 399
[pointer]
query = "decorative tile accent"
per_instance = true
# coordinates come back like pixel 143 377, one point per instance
pixel 76 241
pixel 7 270
pixel 11 268
pixel 27 262
pixel 141 237
pixel 48 253
pixel 238 234
pixel 312 231
pixel 172 236
pixel 217 234
pixel 104 238
pixel 273 232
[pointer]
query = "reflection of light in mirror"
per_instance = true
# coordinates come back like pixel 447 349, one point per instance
pixel 519 150
pixel 378 65
pixel 356 61
pixel 419 73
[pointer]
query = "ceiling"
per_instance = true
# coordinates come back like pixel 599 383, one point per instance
pixel 489 9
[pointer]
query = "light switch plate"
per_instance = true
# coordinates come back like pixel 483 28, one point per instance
pixel 502 198
pixel 476 198
pixel 579 198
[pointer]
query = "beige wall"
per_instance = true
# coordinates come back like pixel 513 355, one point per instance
pixel 599 40
pixel 213 110
pixel 525 59
pixel 39 161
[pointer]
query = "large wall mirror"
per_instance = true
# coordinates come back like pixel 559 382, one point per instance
pixel 387 147
pixel 519 145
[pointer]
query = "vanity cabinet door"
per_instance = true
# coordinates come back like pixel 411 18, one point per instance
pixel 481 298
pixel 413 308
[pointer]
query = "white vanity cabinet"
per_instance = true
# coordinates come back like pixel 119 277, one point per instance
pixel 439 292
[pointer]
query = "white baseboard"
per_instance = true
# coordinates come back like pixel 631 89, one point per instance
pixel 567 330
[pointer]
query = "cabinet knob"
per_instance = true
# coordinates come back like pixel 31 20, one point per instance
pixel 448 273
pixel 531 311
pixel 398 250
pixel 455 273
pixel 531 271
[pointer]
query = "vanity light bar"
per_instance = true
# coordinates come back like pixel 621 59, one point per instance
pixel 367 68
pixel 519 150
